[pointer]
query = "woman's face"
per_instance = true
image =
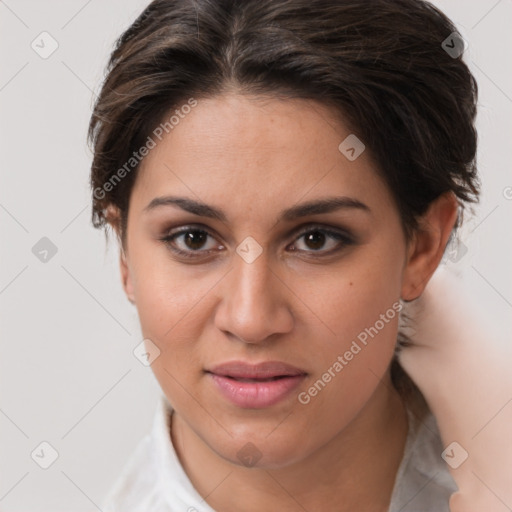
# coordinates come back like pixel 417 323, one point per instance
pixel 269 278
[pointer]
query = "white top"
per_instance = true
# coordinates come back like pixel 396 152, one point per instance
pixel 153 479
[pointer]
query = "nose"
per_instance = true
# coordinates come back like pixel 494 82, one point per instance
pixel 254 303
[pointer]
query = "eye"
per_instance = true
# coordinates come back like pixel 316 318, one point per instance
pixel 189 240
pixel 315 239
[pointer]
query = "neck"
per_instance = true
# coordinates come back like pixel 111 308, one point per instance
pixel 356 470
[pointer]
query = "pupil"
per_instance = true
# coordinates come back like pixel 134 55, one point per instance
pixel 195 237
pixel 315 239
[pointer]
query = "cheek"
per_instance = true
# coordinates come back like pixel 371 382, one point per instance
pixel 171 315
pixel 164 293
pixel 354 296
pixel 361 308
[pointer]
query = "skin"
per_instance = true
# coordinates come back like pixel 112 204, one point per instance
pixel 253 157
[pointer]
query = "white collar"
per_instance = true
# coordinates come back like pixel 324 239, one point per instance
pixel 174 484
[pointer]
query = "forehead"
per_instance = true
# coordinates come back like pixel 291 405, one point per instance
pixel 257 153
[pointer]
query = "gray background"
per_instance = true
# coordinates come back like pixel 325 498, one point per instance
pixel 67 372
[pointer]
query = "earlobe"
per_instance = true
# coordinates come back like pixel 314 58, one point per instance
pixel 428 244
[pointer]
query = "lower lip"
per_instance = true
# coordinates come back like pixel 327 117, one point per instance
pixel 256 395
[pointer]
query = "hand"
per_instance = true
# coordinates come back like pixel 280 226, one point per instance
pixel 464 371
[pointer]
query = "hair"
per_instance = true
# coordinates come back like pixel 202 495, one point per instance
pixel 379 65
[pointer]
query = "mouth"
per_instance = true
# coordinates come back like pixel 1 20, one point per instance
pixel 255 386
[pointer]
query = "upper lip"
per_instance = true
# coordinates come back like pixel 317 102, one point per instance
pixel 264 370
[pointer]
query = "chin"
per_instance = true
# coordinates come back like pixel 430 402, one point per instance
pixel 260 451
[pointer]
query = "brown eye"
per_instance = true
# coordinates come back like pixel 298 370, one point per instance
pixel 190 242
pixel 315 240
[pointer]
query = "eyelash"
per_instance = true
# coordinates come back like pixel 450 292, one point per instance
pixel 344 238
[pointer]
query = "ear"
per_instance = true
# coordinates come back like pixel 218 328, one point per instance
pixel 126 277
pixel 113 217
pixel 427 246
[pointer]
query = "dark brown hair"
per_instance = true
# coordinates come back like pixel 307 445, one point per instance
pixel 380 64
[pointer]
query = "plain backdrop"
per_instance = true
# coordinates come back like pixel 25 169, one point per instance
pixel 68 376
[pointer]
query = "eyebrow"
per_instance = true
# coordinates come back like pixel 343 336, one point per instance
pixel 316 207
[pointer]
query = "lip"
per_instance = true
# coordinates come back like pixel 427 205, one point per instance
pixel 255 386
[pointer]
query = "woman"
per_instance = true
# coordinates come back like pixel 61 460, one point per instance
pixel 282 178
